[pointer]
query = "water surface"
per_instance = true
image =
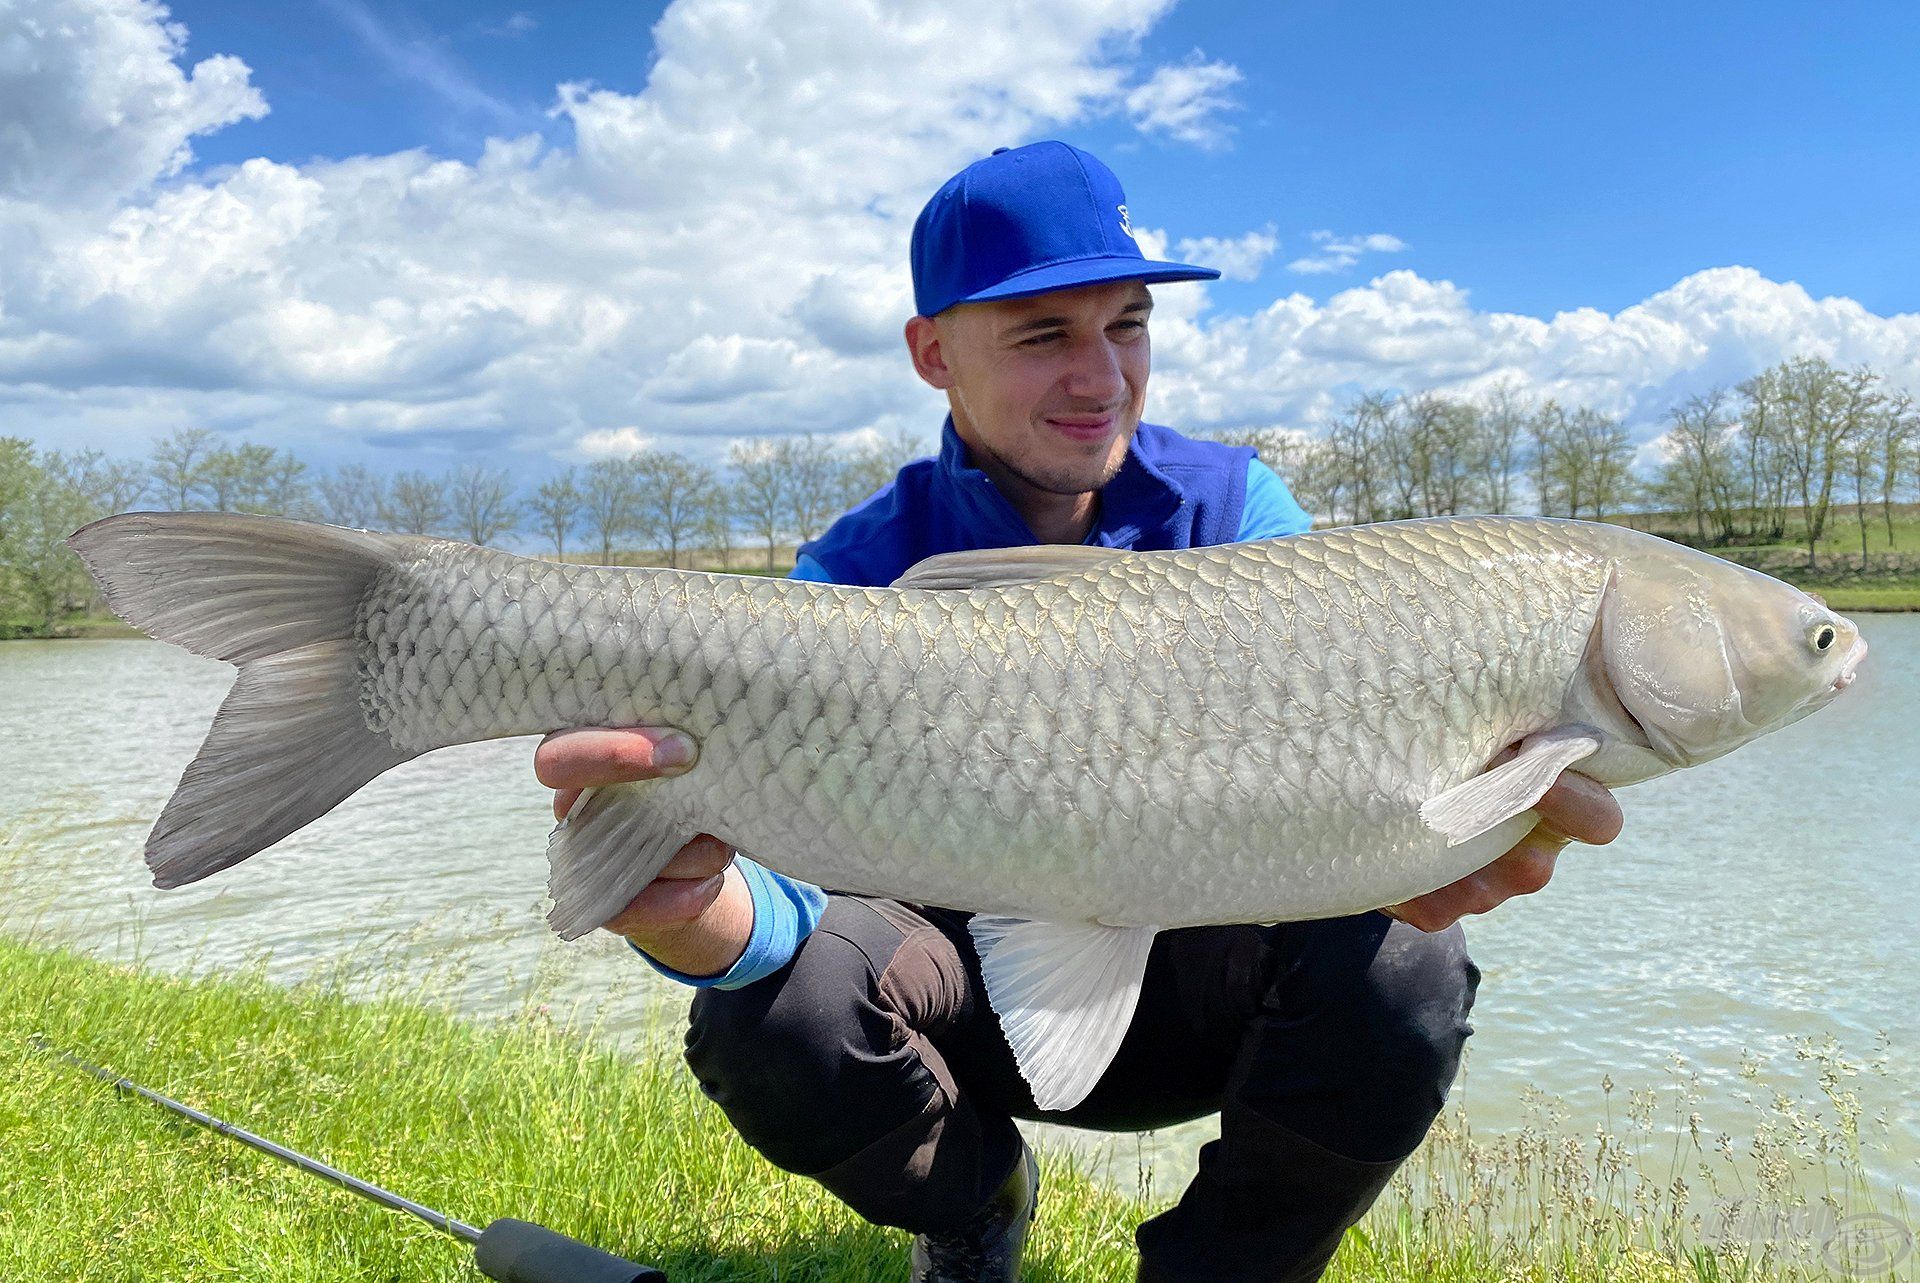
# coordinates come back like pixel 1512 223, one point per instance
pixel 1763 898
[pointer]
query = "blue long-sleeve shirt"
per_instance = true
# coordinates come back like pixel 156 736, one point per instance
pixel 786 910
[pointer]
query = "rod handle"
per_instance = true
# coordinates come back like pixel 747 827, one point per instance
pixel 514 1251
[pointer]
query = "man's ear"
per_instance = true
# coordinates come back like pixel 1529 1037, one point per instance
pixel 929 357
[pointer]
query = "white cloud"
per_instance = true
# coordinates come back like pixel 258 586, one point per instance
pixel 1296 360
pixel 516 24
pixel 94 104
pixel 422 61
pixel 612 443
pixel 1184 100
pixel 1337 253
pixel 1239 258
pixel 721 254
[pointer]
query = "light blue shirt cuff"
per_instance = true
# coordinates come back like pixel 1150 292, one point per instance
pixel 785 912
pixel 805 567
pixel 1270 510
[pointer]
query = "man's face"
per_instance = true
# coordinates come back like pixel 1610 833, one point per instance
pixel 1052 387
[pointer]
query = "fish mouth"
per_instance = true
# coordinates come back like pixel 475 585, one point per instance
pixel 1851 667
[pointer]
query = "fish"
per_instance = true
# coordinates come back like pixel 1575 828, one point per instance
pixel 1082 746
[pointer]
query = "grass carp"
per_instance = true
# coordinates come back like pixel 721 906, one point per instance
pixel 1084 746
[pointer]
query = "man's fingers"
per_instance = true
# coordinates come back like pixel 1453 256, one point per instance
pixel 690 882
pixel 587 757
pixel 667 902
pixel 1521 871
pixel 1580 808
pixel 703 857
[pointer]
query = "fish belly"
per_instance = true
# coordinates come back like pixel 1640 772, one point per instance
pixel 1231 734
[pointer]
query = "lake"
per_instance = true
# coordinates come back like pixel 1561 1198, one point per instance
pixel 1752 903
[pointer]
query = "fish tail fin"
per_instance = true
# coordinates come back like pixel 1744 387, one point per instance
pixel 278 598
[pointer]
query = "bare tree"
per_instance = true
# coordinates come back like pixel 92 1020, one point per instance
pixel 1300 460
pixel 674 495
pixel 1608 452
pixel 1359 460
pixel 284 488
pixel 352 496
pixel 1863 471
pixel 871 465
pixel 179 459
pixel 1820 410
pixel 610 497
pixel 813 484
pixel 1698 474
pixel 760 489
pixel 1899 436
pixel 1503 434
pixel 107 485
pixel 235 478
pixel 716 527
pixel 481 499
pixel 555 510
pixel 417 504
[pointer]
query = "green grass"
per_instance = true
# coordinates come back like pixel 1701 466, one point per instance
pixel 525 1117
pixel 1868 595
pixel 522 1118
pixel 99 624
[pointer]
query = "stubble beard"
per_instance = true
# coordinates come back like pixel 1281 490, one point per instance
pixel 1062 481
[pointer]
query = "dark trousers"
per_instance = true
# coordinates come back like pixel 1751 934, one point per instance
pixel 873 1064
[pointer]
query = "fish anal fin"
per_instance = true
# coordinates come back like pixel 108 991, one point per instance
pixel 1065 994
pixel 614 841
pixel 1469 809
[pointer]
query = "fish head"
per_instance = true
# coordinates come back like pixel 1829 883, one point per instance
pixel 1704 655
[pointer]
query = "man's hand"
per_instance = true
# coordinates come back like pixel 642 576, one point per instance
pixel 697 915
pixel 1575 809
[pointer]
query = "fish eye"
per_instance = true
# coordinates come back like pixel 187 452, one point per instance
pixel 1823 636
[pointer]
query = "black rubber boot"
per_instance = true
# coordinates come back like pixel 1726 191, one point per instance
pixel 987 1248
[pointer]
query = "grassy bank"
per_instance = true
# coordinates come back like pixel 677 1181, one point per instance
pixel 1868 595
pixel 90 625
pixel 529 1119
pixel 1842 577
pixel 519 1119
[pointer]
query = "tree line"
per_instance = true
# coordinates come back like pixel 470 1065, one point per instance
pixel 771 492
pixel 1777 454
pixel 1773 456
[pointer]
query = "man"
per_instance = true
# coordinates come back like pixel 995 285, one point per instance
pixel 849 1039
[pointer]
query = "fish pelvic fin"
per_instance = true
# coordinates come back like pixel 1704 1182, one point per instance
pixel 1065 994
pixel 280 599
pixel 614 840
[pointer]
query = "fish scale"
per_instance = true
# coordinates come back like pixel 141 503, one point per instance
pixel 1347 705
pixel 1082 746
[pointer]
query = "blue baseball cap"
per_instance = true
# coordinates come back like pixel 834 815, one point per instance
pixel 1027 220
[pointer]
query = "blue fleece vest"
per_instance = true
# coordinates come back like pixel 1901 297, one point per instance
pixel 1170 492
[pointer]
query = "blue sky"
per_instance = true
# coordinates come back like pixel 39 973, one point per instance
pixel 419 234
pixel 1548 156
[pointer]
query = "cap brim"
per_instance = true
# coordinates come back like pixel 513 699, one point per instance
pixel 1089 271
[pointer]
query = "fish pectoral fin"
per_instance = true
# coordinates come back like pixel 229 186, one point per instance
pixel 1065 994
pixel 613 841
pixel 998 567
pixel 1467 810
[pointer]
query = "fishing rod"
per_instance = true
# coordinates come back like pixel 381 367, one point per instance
pixel 508 1250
